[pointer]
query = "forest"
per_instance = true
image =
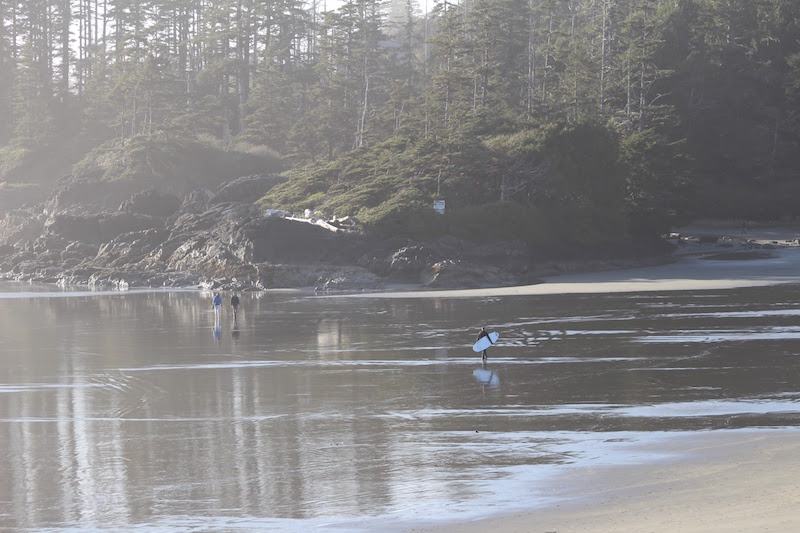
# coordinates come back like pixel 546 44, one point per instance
pixel 583 120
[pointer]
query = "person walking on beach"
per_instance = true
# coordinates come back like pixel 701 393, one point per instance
pixel 217 304
pixel 481 334
pixel 235 304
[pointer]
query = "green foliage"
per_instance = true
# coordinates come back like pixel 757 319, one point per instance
pixel 174 163
pixel 658 186
pixel 13 161
pixel 578 112
pixel 398 214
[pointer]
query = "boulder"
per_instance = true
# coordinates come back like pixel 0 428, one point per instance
pixel 408 262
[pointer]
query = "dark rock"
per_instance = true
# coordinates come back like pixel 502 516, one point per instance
pixel 98 228
pixel 408 262
pixel 280 240
pixel 195 202
pixel 88 194
pixel 12 197
pixel 74 227
pixel 115 224
pixel 152 203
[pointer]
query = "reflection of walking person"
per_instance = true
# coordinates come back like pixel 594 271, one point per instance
pixel 483 333
pixel 217 304
pixel 235 304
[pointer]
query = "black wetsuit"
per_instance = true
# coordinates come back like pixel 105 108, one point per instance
pixel 481 335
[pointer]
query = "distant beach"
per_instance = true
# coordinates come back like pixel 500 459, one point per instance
pixel 707 257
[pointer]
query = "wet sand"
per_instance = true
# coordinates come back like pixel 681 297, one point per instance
pixel 717 482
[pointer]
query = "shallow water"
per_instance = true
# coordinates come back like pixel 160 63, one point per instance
pixel 125 411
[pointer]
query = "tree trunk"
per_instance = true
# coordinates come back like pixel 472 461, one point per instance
pixel 603 60
pixel 547 57
pixel 66 16
pixel 642 76
pixel 531 59
pixel 628 116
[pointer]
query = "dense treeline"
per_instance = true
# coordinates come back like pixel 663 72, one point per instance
pixel 551 117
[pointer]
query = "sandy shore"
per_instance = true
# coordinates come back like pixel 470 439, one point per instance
pixel 723 481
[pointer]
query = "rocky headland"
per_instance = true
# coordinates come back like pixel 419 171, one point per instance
pixel 113 234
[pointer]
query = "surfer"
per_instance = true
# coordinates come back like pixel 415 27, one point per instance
pixel 235 304
pixel 217 304
pixel 483 333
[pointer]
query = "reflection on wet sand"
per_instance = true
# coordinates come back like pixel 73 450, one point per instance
pixel 119 411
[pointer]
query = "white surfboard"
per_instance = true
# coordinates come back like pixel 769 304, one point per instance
pixel 485 342
pixel 486 377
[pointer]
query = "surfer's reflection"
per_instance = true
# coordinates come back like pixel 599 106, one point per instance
pixel 486 377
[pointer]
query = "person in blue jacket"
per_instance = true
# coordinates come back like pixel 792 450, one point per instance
pixel 217 304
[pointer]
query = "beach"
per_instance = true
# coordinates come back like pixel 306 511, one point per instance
pixel 717 481
pixel 650 399
pixel 705 258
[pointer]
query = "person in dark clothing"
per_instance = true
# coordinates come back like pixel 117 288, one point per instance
pixel 481 334
pixel 235 304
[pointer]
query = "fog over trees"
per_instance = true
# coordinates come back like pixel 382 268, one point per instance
pixel 596 117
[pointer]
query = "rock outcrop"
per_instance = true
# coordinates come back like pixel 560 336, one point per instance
pixel 115 235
